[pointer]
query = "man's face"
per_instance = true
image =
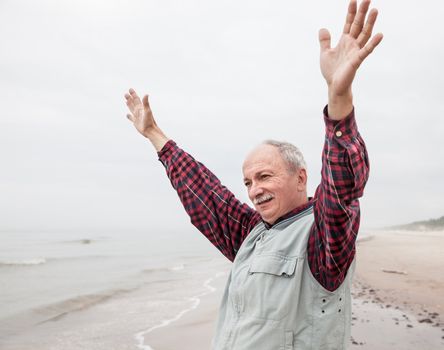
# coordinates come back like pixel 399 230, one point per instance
pixel 273 189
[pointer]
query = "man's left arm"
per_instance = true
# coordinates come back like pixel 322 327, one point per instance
pixel 345 170
pixel 345 164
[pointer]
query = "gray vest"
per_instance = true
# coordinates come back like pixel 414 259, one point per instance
pixel 272 301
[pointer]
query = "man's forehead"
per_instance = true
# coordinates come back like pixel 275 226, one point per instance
pixel 261 152
pixel 261 157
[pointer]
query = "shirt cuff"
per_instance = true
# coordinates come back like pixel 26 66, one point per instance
pixel 344 130
pixel 167 150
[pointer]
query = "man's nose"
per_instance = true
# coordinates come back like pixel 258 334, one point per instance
pixel 255 190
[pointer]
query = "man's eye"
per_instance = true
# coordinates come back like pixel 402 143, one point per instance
pixel 247 184
pixel 265 176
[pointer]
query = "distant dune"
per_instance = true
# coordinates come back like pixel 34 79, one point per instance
pixel 428 225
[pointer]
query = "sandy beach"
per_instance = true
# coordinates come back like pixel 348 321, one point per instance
pixel 398 298
pixel 398 291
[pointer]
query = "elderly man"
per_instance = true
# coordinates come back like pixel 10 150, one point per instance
pixel 293 257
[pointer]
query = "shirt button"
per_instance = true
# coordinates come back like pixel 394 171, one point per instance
pixel 338 133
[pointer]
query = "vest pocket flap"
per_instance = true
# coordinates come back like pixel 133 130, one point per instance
pixel 274 265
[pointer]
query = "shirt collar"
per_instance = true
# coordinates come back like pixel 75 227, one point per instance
pixel 291 213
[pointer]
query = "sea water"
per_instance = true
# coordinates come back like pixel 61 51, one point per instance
pixel 99 289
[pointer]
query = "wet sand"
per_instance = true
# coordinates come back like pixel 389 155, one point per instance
pixel 195 330
pixel 399 291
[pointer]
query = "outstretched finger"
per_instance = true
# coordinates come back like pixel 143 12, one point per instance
pixel 146 104
pixel 368 49
pixel 358 22
pixel 129 102
pixel 324 39
pixel 350 16
pixel 136 98
pixel 366 32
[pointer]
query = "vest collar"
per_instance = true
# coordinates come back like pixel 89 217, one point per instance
pixel 293 212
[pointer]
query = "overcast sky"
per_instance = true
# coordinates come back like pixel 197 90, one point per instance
pixel 222 76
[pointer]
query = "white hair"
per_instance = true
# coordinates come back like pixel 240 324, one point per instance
pixel 289 153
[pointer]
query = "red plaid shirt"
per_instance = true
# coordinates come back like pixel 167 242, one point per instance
pixel 226 222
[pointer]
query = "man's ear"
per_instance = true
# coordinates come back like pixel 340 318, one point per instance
pixel 302 179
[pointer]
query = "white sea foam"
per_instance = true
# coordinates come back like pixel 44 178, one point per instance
pixel 50 260
pixel 195 301
pixel 26 262
pixel 177 268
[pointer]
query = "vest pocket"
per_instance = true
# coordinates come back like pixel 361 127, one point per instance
pixel 273 265
pixel 270 286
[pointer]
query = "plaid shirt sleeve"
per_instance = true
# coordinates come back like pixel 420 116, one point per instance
pixel 345 168
pixel 212 208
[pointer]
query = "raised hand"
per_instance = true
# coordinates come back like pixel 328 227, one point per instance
pixel 141 114
pixel 339 64
pixel 143 119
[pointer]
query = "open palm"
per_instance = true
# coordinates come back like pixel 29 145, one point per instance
pixel 339 64
pixel 141 114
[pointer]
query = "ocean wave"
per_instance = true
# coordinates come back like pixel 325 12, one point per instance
pixel 151 270
pixel 177 267
pixel 58 310
pixel 41 261
pixel 154 270
pixel 80 241
pixel 25 262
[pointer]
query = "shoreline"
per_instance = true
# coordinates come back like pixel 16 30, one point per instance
pixel 195 330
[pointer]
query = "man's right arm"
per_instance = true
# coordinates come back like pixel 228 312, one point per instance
pixel 213 209
pixel 143 119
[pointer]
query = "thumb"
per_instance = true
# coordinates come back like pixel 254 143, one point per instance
pixel 145 101
pixel 130 117
pixel 324 39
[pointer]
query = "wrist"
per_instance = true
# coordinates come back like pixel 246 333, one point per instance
pixel 339 105
pixel 157 138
